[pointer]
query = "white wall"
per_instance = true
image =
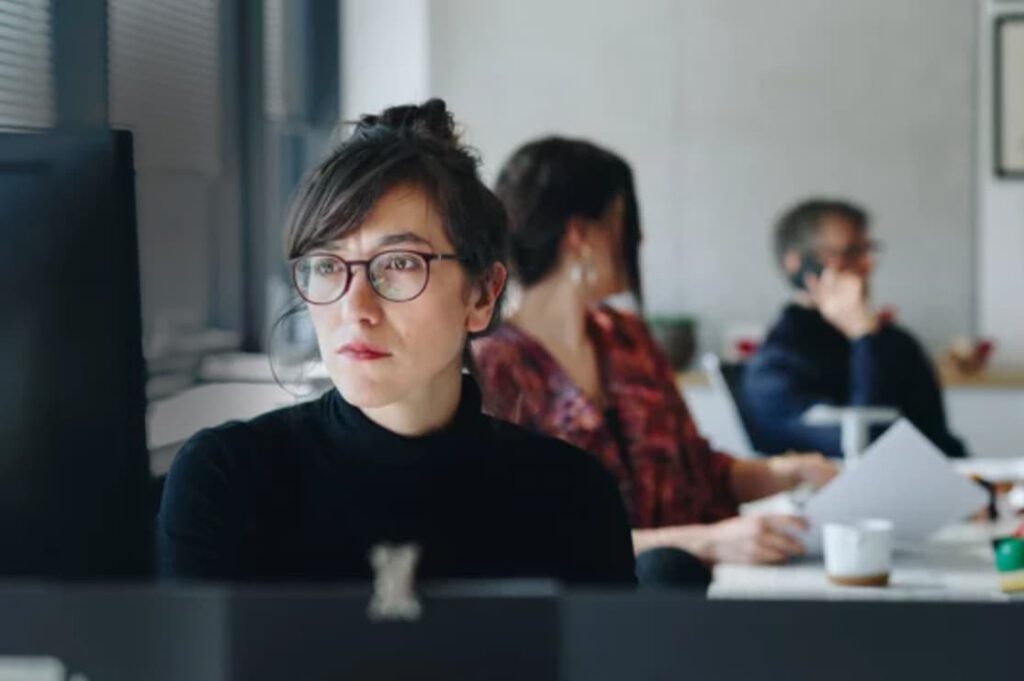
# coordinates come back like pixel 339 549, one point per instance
pixel 1001 219
pixel 731 109
pixel 384 54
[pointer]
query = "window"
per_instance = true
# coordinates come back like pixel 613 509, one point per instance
pixel 166 84
pixel 26 64
pixel 165 81
pixel 274 106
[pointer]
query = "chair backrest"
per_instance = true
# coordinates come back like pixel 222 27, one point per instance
pixel 157 492
pixel 726 380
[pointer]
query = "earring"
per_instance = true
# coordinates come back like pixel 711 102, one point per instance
pixel 589 272
pixel 576 273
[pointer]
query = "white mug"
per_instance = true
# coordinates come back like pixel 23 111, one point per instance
pixel 858 553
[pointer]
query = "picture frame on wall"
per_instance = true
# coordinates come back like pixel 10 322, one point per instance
pixel 1009 96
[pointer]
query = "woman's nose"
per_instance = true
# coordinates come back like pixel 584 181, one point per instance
pixel 361 302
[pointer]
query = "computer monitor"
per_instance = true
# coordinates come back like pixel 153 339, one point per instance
pixel 74 472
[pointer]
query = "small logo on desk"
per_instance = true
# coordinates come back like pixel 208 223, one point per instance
pixel 394 568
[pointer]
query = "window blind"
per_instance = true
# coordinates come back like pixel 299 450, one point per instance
pixel 26 64
pixel 165 81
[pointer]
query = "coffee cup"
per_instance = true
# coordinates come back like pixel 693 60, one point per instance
pixel 858 553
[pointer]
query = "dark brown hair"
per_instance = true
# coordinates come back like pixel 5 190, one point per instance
pixel 413 144
pixel 548 181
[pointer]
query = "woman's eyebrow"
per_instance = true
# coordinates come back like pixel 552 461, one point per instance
pixel 402 237
pixel 406 237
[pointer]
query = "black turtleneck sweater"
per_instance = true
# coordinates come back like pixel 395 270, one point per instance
pixel 806 361
pixel 303 493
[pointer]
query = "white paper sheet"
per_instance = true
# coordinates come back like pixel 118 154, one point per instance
pixel 902 477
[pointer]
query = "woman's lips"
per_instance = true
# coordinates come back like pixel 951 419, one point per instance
pixel 362 351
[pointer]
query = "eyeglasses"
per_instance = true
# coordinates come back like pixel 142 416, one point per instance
pixel 854 252
pixel 398 276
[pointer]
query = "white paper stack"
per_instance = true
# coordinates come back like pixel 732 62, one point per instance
pixel 902 477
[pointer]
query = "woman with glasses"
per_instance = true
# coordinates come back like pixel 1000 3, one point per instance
pixel 567 366
pixel 397 252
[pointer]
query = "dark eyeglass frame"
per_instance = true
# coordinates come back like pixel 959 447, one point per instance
pixel 872 247
pixel 365 264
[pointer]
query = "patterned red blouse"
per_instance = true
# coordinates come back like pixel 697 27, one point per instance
pixel 668 474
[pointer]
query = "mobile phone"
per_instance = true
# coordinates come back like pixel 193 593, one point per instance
pixel 808 265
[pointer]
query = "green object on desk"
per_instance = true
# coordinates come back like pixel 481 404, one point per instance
pixel 677 336
pixel 1009 554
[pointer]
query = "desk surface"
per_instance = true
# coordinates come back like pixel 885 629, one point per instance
pixel 956 564
pixel 988 379
pixel 201 633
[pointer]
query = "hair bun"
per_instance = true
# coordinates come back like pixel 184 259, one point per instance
pixel 429 120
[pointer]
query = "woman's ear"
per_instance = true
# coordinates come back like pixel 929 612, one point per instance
pixel 574 241
pixel 485 297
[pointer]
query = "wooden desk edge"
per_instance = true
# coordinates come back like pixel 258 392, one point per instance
pixel 1013 379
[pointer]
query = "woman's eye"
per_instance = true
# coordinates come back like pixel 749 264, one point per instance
pixel 325 267
pixel 402 263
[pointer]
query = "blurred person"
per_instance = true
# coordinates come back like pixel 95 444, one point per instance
pixel 831 345
pixel 398 254
pixel 567 366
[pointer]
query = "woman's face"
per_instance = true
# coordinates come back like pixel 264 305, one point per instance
pixel 380 352
pixel 604 238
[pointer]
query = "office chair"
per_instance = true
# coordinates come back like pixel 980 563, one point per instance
pixel 157 491
pixel 726 379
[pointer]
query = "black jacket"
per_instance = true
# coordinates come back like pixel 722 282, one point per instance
pixel 806 361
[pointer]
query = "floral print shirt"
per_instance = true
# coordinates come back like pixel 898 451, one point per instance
pixel 668 474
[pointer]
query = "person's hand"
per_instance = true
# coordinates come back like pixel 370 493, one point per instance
pixel 756 539
pixel 842 299
pixel 796 469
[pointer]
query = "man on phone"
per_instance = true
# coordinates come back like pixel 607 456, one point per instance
pixel 831 346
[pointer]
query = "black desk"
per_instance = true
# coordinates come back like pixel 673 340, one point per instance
pixel 522 631
pixel 164 633
pixel 666 636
